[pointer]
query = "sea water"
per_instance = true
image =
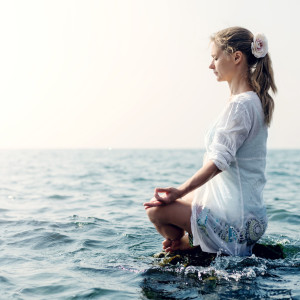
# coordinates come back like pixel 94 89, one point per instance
pixel 73 227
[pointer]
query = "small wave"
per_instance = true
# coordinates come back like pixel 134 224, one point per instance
pixel 59 197
pixel 51 239
pixel 46 240
pixel 93 270
pixel 283 215
pixel 45 290
pixel 4 281
pixel 90 175
pixel 89 220
pixel 280 173
pixel 141 179
pixel 93 243
pixel 95 293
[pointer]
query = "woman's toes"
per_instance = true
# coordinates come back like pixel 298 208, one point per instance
pixel 174 245
pixel 166 243
pixel 182 244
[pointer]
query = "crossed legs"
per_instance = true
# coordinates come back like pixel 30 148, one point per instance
pixel 172 221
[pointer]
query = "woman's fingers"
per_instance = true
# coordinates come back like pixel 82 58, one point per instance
pixel 166 191
pixel 153 202
pixel 169 196
pixel 159 198
pixel 162 190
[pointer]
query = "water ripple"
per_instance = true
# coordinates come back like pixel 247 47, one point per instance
pixel 73 227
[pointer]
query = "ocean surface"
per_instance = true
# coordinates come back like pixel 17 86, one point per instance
pixel 73 227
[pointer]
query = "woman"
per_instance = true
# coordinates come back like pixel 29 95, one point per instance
pixel 221 207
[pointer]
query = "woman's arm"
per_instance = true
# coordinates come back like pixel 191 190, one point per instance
pixel 207 172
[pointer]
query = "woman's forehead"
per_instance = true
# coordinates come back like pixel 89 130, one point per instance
pixel 214 49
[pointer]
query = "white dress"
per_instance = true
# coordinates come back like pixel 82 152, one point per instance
pixel 228 212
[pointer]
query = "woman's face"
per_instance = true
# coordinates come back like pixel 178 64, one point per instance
pixel 222 64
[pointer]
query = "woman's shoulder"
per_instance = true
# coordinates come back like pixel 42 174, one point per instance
pixel 246 98
pixel 250 102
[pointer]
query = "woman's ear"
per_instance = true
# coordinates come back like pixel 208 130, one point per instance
pixel 237 57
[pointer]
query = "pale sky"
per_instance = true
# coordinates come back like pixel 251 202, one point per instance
pixel 132 74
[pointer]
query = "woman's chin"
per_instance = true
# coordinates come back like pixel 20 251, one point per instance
pixel 220 79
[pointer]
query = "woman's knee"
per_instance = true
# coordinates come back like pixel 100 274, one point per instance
pixel 153 214
pixel 177 214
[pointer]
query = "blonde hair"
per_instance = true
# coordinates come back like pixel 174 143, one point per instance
pixel 260 71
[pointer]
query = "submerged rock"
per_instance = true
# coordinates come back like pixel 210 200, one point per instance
pixel 268 251
pixel 196 257
pixel 193 257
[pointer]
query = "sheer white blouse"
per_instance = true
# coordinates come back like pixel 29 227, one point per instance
pixel 228 212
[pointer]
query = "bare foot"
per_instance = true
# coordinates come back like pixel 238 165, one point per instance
pixel 166 243
pixel 182 244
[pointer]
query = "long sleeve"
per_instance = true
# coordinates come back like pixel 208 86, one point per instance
pixel 231 131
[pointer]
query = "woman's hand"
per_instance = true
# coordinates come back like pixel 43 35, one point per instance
pixel 207 172
pixel 171 194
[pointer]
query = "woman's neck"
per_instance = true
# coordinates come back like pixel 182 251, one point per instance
pixel 239 84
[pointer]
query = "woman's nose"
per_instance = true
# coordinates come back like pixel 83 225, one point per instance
pixel 211 66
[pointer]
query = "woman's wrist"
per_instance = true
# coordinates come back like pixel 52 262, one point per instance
pixel 182 191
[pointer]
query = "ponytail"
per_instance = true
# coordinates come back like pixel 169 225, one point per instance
pixel 262 79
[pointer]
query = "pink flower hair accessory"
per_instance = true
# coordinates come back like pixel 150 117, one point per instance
pixel 259 46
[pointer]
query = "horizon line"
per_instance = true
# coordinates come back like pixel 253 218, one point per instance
pixel 125 148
